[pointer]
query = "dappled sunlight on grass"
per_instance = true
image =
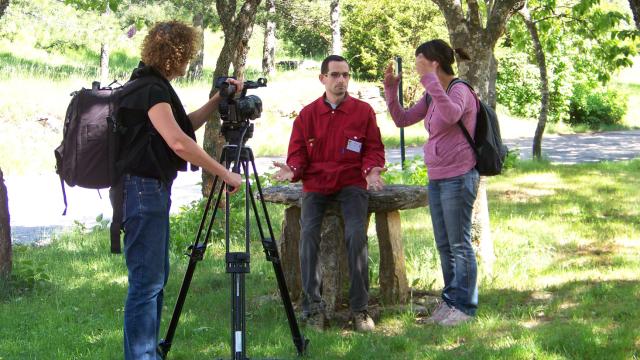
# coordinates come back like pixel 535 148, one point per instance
pixel 565 284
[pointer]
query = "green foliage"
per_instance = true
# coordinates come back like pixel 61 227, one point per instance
pixel 517 85
pixel 375 31
pixel 596 107
pixel 59 26
pixel 584 42
pixel 185 224
pixel 27 274
pixel 414 173
pixel 512 160
pixel 94 5
pixel 303 26
pixel 560 289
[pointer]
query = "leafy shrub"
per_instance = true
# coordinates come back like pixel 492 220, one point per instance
pixel 414 173
pixel 304 28
pixel 517 86
pixel 596 107
pixel 374 31
pixel 184 225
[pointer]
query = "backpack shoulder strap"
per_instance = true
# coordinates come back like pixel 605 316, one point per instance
pixel 471 142
pixel 116 197
pixel 464 129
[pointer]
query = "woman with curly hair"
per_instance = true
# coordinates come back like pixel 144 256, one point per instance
pixel 159 141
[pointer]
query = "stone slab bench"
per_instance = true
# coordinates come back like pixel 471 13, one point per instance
pixel 385 204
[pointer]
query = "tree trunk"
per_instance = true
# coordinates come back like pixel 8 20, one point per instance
pixel 3 6
pixel 467 30
pixel 269 50
pixel 195 66
pixel 104 53
pixel 336 38
pixel 237 30
pixel 492 96
pixel 544 82
pixel 5 231
pixel 635 9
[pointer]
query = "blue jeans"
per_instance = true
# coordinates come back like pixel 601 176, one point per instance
pixel 451 203
pixel 146 249
pixel 353 202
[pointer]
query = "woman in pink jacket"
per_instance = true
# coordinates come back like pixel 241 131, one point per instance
pixel 453 179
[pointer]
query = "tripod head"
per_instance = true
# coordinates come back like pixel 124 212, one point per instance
pixel 236 113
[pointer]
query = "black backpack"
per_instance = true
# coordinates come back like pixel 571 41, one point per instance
pixel 487 142
pixel 90 138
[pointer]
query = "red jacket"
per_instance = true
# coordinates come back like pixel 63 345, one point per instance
pixel 331 149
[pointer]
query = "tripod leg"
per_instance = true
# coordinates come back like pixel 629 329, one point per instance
pixel 238 264
pixel 197 253
pixel 271 252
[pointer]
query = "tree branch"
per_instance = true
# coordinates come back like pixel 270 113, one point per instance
pixel 474 14
pixel 500 13
pixel 453 13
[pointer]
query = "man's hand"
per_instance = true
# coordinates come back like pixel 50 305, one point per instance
pixel 374 179
pixel 285 172
pixel 425 66
pixel 389 78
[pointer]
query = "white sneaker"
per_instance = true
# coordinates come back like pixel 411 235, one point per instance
pixel 437 315
pixel 454 317
pixel 363 322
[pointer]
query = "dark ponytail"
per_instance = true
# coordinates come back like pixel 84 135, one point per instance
pixel 438 50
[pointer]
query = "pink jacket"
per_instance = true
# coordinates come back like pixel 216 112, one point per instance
pixel 447 153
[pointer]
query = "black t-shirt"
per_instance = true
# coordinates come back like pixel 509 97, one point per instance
pixel 143 162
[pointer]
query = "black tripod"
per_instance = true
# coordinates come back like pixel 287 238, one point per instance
pixel 237 263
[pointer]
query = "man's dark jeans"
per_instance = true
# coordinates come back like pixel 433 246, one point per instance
pixel 353 202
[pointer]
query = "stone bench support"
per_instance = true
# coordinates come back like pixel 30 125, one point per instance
pixel 385 204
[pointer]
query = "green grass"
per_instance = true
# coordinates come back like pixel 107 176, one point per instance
pixel 566 284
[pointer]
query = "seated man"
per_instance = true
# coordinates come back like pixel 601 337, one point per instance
pixel 336 150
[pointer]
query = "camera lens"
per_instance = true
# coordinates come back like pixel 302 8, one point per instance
pixel 249 107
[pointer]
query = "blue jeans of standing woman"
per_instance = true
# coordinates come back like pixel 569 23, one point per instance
pixel 146 249
pixel 451 203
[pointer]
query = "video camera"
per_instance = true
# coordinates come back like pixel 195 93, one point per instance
pixel 236 112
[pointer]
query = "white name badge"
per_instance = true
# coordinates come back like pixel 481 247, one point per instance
pixel 354 146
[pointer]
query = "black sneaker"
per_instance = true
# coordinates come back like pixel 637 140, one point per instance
pixel 316 320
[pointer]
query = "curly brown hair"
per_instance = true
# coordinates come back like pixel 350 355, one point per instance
pixel 169 46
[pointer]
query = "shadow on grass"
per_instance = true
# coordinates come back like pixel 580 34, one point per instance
pixel 602 209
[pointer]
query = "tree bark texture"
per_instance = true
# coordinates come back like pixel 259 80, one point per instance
pixel 5 231
pixel 237 29
pixel 544 82
pixel 481 231
pixel 635 9
pixel 478 37
pixel 336 38
pixel 3 7
pixel 104 54
pixel 195 66
pixel 385 204
pixel 269 49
